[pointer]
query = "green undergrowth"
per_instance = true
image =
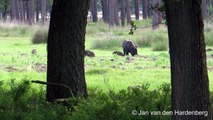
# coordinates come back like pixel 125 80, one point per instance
pixel 22 102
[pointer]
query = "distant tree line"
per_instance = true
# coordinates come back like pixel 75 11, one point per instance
pixel 29 11
pixel 113 12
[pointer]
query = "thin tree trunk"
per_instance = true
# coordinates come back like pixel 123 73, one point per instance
pixel 128 12
pixel 4 15
pixel 66 47
pixel 30 11
pixel 43 11
pixel 17 10
pixel 111 12
pixel 156 18
pixel 116 17
pixel 123 13
pixel 149 10
pixel 105 10
pixel 37 10
pixel 144 8
pixel 13 10
pixel 204 8
pixel 93 8
pixel 189 78
pixel 21 9
pixel 137 9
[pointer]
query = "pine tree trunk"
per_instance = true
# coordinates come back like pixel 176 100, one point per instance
pixel 123 13
pixel 30 11
pixel 66 46
pixel 116 17
pixel 189 78
pixel 17 10
pixel 37 10
pixel 204 8
pixel 93 8
pixel 13 10
pixel 43 11
pixel 144 8
pixel 128 12
pixel 111 12
pixel 137 9
pixel 4 14
pixel 149 10
pixel 21 9
pixel 105 10
pixel 155 17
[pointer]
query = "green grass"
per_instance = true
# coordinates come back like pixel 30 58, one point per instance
pixel 17 62
pixel 116 85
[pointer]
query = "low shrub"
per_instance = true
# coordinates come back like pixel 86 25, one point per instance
pixel 120 106
pixel 107 42
pixel 21 101
pixel 157 41
pixel 93 28
pixel 209 38
pixel 40 36
pixel 14 30
pixel 145 40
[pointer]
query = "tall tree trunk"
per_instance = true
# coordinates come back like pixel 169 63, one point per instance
pixel 105 10
pixel 128 12
pixel 123 13
pixel 43 11
pixel 149 10
pixel 66 46
pixel 21 9
pixel 4 15
pixel 30 11
pixel 208 3
pixel 111 12
pixel 37 9
pixel 13 10
pixel 116 17
pixel 144 8
pixel 17 10
pixel 137 9
pixel 93 8
pixel 156 18
pixel 189 78
pixel 204 8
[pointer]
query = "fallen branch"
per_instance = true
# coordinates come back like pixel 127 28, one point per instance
pixel 51 83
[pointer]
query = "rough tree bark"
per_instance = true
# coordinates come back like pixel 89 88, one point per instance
pixel 189 78
pixel 66 48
